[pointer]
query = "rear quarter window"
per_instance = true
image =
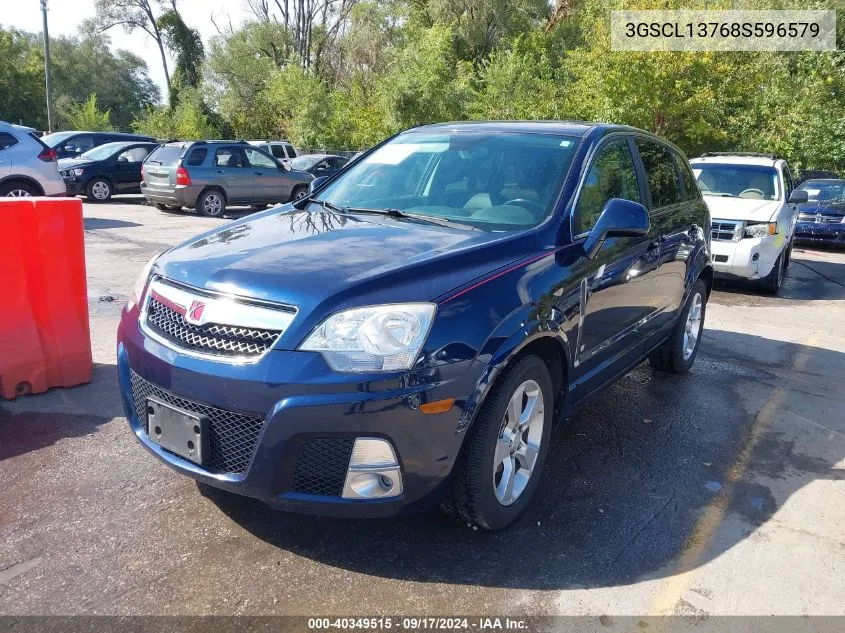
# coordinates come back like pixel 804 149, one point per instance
pixel 660 172
pixel 197 157
pixel 7 140
pixel 166 155
pixel 690 186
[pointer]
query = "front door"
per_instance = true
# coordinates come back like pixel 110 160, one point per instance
pixel 127 172
pixel 269 182
pixel 618 287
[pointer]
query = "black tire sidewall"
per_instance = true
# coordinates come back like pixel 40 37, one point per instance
pixel 8 188
pixel 679 365
pixel 770 282
pixel 496 516
pixel 295 191
pixel 200 207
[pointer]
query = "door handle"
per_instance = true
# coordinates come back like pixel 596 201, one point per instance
pixel 258 173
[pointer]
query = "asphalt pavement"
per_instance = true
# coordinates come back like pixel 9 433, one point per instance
pixel 716 493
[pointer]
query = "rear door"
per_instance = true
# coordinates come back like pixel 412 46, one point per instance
pixel 618 286
pixel 7 142
pixel 127 167
pixel 672 208
pixel 270 183
pixel 233 173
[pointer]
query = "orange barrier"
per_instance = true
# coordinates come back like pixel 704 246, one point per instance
pixel 44 337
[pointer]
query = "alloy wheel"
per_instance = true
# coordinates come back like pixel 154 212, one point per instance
pixel 100 190
pixel 19 193
pixel 693 326
pixel 518 445
pixel 213 204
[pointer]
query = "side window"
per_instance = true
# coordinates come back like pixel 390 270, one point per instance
pixel 7 140
pixel 290 150
pixel 611 175
pixel 228 157
pixel 80 144
pixel 690 186
pixel 197 157
pixel 134 155
pixel 661 173
pixel 277 150
pixel 787 180
pixel 258 159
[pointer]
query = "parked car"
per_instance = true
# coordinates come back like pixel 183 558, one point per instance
pixel 821 220
pixel 106 170
pixel 319 164
pixel 753 207
pixel 27 166
pixel 72 144
pixel 815 174
pixel 409 334
pixel 280 150
pixel 208 175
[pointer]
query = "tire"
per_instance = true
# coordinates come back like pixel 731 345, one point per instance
pixel 211 203
pixel 773 282
pixel 788 258
pixel 478 495
pixel 98 190
pixel 17 190
pixel 675 355
pixel 298 193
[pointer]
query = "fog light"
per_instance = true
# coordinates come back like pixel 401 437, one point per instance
pixel 373 471
pixel 755 257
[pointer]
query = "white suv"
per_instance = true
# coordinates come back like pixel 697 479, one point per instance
pixel 753 208
pixel 27 166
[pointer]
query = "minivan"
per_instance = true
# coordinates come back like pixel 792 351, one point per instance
pixel 407 334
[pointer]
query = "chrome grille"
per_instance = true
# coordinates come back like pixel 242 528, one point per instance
pixel 818 218
pixel 211 338
pixel 233 436
pixel 321 466
pixel 725 231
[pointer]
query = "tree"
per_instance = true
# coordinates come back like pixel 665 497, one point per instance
pixel 188 120
pixel 133 15
pixel 87 116
pixel 186 43
pixel 21 80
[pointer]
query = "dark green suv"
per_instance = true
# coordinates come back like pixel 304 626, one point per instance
pixel 209 175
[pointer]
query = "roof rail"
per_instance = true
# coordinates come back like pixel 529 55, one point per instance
pixel 750 154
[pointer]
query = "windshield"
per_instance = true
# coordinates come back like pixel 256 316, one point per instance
pixel 56 138
pixel 823 190
pixel 305 162
pixel 495 182
pixel 103 151
pixel 755 182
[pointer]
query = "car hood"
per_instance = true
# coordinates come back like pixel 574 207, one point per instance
pixel 312 259
pixel 724 208
pixel 73 163
pixel 826 207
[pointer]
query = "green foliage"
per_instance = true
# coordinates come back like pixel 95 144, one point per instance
pixel 87 116
pixel 188 120
pixel 186 44
pixel 21 80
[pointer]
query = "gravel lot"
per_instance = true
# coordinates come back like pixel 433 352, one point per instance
pixel 720 492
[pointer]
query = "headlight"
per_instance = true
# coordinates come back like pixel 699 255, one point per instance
pixel 76 172
pixel 763 229
pixel 140 284
pixel 375 338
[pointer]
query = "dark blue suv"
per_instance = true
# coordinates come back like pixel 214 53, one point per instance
pixel 407 334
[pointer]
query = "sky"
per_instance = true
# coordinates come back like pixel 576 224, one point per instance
pixel 65 16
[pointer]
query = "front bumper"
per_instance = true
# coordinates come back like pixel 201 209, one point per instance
pixel 749 258
pixel 297 400
pixel 812 233
pixel 74 187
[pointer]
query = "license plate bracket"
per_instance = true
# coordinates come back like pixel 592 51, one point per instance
pixel 178 431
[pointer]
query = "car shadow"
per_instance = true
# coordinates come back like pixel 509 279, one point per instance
pixel 59 413
pixel 625 483
pixel 805 280
pixel 94 224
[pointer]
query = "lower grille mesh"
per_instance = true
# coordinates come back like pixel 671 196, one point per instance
pixel 233 436
pixel 321 466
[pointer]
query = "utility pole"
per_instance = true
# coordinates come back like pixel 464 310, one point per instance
pixel 47 68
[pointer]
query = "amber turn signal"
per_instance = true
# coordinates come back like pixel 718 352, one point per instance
pixel 438 406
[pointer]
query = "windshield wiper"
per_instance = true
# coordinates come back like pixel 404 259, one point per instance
pixel 331 206
pixel 398 213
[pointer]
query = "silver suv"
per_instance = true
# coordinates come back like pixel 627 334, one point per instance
pixel 208 175
pixel 27 166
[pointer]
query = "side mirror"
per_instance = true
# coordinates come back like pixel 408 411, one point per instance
pixel 619 218
pixel 798 196
pixel 317 182
pixel 285 165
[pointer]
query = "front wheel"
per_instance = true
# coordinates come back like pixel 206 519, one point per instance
pixel 678 353
pixel 98 190
pixel 500 464
pixel 211 204
pixel 17 190
pixel 773 282
pixel 298 193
